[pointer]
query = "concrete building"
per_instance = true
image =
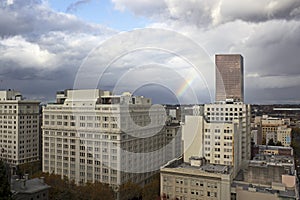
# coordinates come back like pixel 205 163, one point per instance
pixel 218 143
pixel 273 150
pixel 227 112
pixel 269 124
pixel 247 191
pixel 284 135
pixel 33 189
pixel 92 135
pixel 194 110
pixel 256 136
pixel 267 177
pixel 19 128
pixel 274 128
pixel 266 169
pixel 195 180
pixel 229 77
pixel 174 144
pixel 271 136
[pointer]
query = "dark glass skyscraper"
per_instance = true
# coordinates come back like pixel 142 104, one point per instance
pixel 229 77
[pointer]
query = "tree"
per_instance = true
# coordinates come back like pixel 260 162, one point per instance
pixel 151 191
pixel 65 189
pixel 130 191
pixel 271 142
pixel 278 143
pixel 296 131
pixel 95 191
pixel 5 192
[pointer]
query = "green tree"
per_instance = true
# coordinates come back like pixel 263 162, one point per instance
pixel 5 192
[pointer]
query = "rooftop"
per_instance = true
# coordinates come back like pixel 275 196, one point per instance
pixel 211 168
pixel 271 160
pixel 28 186
pixel 266 147
pixel 263 189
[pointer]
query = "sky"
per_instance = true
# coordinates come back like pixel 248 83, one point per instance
pixel 163 49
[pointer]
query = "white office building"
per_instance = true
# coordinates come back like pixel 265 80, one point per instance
pixel 217 142
pixel 19 128
pixel 92 135
pixel 228 111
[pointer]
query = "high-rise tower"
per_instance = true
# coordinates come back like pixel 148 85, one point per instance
pixel 229 77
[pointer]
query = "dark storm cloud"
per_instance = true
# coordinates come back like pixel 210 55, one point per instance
pixel 38 84
pixel 258 11
pixel 265 32
pixel 40 49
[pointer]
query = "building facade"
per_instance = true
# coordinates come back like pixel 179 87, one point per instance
pixel 195 180
pixel 174 142
pixel 218 143
pixel 19 128
pixel 227 112
pixel 229 77
pixel 92 135
pixel 284 135
pixel 275 128
pixel 268 176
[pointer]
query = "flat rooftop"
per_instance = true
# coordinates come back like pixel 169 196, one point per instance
pixel 31 185
pixel 211 168
pixel 262 189
pixel 271 160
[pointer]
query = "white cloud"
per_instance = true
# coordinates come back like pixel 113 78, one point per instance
pixel 207 12
pixel 25 54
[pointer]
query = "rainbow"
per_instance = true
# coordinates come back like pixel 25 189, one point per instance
pixel 185 85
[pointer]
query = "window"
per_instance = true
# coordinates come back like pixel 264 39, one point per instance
pixel 89 124
pixel 90 118
pixel 82 124
pixel 82 117
pixel 97 125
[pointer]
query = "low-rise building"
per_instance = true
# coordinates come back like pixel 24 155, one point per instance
pixel 267 177
pixel 273 150
pixel 195 180
pixel 284 135
pixel 33 189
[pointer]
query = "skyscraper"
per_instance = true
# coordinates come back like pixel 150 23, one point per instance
pixel 229 77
